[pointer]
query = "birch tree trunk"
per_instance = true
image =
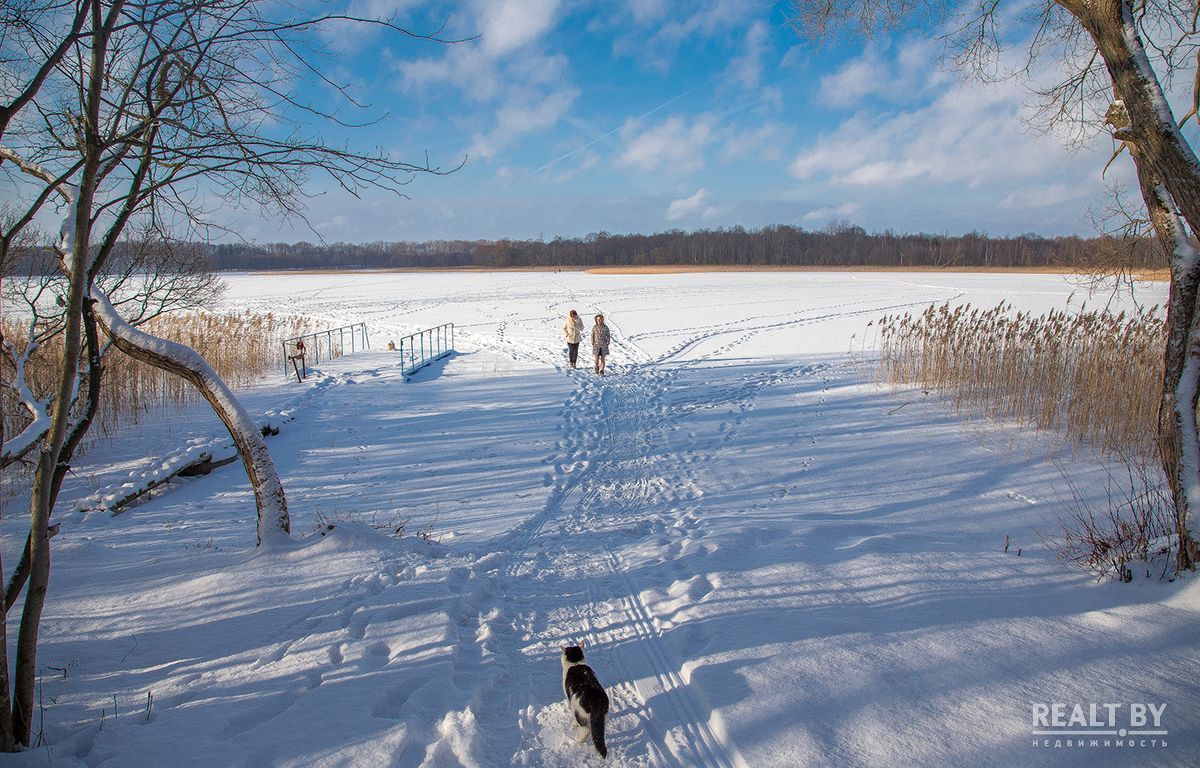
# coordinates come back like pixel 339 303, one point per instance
pixel 73 248
pixel 42 495
pixel 1169 177
pixel 79 430
pixel 6 731
pixel 1177 427
pixel 273 520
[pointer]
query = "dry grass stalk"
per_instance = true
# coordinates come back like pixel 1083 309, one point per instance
pixel 1094 375
pixel 242 348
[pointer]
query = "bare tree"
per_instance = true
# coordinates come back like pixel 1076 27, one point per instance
pixel 1124 55
pixel 127 115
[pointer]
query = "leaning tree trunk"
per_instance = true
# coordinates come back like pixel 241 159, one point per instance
pixel 1169 177
pixel 273 520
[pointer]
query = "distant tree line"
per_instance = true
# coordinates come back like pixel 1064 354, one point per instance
pixel 836 245
pixel 842 245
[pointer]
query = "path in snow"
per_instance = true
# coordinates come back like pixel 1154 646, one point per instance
pixel 771 564
pixel 627 473
pixel 562 578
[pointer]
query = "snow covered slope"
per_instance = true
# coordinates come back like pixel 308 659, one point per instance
pixel 773 561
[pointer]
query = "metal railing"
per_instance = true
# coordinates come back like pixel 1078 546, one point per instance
pixel 331 344
pixel 419 349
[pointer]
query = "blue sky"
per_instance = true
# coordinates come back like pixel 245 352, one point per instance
pixel 646 115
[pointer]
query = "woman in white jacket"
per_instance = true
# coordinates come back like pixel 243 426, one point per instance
pixel 573 331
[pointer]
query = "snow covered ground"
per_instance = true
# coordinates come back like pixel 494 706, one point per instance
pixel 773 561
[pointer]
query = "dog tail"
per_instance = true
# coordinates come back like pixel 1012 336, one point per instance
pixel 597 728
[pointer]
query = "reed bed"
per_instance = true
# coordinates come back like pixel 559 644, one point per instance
pixel 242 348
pixel 1094 375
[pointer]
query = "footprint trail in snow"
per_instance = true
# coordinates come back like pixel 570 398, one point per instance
pixel 626 504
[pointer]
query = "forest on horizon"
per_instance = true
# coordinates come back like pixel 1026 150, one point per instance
pixel 842 245
pixel 834 246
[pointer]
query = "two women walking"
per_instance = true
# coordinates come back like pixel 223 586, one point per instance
pixel 573 332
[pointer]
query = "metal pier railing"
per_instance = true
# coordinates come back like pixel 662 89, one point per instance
pixel 332 343
pixel 419 349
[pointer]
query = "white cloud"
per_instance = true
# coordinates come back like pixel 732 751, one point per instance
pixel 859 77
pixel 1026 198
pixel 380 9
pixel 696 206
pixel 715 17
pixel 834 153
pixel 518 116
pixel 533 70
pixel 764 142
pixel 746 70
pixel 796 56
pixel 972 135
pixel 352 36
pixel 884 172
pixel 894 74
pixel 660 27
pixel 336 224
pixel 510 24
pixel 686 206
pixel 832 212
pixel 771 97
pixel 466 67
pixel 671 145
pixel 507 67
pixel 646 11
pixel 945 152
pixel 585 162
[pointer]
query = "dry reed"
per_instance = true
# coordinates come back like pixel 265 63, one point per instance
pixel 241 348
pixel 1094 375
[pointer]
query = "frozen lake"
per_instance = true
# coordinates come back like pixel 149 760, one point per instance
pixel 677 316
pixel 773 560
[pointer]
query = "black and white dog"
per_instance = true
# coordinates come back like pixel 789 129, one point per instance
pixel 585 696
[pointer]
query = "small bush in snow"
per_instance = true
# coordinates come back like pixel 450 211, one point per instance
pixel 1135 524
pixel 392 523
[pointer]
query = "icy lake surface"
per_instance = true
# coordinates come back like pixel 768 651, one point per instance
pixel 773 560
